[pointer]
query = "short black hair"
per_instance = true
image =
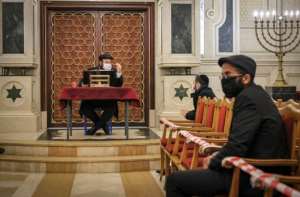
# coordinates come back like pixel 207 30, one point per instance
pixel 202 79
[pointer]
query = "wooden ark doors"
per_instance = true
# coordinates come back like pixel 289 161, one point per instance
pixel 73 36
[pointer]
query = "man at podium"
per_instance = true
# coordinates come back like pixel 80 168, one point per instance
pixel 109 108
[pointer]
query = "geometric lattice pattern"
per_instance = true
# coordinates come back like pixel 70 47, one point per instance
pixel 123 36
pixel 73 50
pixel 74 41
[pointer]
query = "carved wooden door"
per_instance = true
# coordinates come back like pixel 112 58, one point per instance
pixel 76 38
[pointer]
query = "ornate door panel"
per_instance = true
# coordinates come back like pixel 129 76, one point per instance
pixel 75 40
pixel 122 35
pixel 72 51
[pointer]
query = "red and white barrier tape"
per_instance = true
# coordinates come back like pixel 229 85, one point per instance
pixel 168 123
pixel 198 140
pixel 268 180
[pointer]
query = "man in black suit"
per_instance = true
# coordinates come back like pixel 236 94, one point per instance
pixel 201 89
pixel 109 108
pixel 257 131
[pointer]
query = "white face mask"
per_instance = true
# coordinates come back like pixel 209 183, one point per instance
pixel 107 66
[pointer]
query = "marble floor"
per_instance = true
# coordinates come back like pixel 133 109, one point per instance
pixel 125 184
pixel 128 184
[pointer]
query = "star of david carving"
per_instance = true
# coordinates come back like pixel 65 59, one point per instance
pixel 181 92
pixel 14 93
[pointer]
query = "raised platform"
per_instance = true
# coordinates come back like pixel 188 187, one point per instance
pixel 80 156
pixel 117 134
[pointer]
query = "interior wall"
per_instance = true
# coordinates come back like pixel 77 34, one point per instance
pixel 202 60
pixel 246 43
pixel 213 15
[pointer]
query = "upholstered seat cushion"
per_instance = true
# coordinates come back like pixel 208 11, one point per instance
pixel 187 162
pixel 190 148
pixel 169 148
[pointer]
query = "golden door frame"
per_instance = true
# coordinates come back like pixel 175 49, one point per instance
pixel 149 78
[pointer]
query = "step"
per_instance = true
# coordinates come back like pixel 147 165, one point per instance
pixel 52 164
pixel 81 148
pixel 77 143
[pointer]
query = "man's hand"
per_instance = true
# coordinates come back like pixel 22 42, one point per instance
pixel 118 67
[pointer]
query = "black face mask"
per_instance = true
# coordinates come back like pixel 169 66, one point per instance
pixel 231 86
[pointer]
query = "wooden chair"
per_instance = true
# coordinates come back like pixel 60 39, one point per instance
pixel 221 122
pixel 199 114
pixel 291 119
pixel 216 124
pixel 283 180
pixel 205 113
pixel 280 103
pixel 167 125
pixel 262 180
pixel 186 155
pixel 192 154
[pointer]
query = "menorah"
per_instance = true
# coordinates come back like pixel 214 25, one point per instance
pixel 279 35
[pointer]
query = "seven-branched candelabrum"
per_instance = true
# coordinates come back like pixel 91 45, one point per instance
pixel 279 35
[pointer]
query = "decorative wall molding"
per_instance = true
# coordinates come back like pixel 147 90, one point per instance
pixel 28 57
pixel 164 32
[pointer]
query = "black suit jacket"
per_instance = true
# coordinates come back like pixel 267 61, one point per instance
pixel 114 81
pixel 257 130
pixel 203 91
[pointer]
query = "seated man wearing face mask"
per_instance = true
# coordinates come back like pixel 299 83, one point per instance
pixel 257 131
pixel 109 108
pixel 200 89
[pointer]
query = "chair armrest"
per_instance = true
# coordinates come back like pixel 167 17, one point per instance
pixel 196 129
pixel 181 121
pixel 209 134
pixel 288 179
pixel 272 162
pixel 188 124
pixel 221 141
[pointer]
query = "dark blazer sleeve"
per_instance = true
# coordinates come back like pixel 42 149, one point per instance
pixel 245 123
pixel 117 82
pixel 195 99
pixel 207 92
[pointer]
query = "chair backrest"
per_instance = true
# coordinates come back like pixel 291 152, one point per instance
pixel 224 115
pixel 200 109
pixel 291 120
pixel 280 103
pixel 209 112
pixel 229 113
